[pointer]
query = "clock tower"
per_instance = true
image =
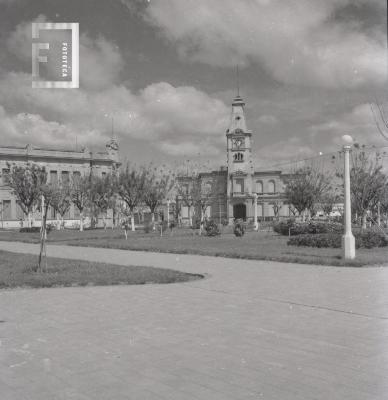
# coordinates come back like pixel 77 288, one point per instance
pixel 239 153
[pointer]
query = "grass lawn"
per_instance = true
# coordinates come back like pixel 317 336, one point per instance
pixel 254 245
pixel 16 271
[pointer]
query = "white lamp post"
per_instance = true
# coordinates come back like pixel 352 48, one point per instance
pixel 348 241
pixel 256 225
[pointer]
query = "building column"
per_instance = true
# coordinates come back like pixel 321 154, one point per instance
pixel 256 224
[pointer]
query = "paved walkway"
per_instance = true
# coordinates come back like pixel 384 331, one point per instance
pixel 251 330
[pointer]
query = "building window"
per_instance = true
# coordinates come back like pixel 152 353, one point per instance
pixel 271 187
pixel 65 177
pixel 4 175
pixel 259 187
pixel 238 157
pixel 76 174
pixel 239 186
pixel 7 215
pixel 54 177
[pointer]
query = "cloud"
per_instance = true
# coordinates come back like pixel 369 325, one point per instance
pixel 167 116
pixel 358 123
pixel 175 120
pixel 268 119
pixel 100 62
pixel 297 42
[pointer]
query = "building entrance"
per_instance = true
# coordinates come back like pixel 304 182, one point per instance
pixel 240 211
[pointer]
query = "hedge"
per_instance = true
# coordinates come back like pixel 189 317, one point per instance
pixel 292 228
pixel 365 239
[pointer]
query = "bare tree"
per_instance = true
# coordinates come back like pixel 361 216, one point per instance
pixel 51 195
pixel 199 193
pixel 100 193
pixel 62 201
pixel 130 187
pixel 159 183
pixel 367 182
pixel 79 193
pixel 25 182
pixel 305 188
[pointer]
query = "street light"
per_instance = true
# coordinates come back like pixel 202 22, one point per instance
pixel 348 241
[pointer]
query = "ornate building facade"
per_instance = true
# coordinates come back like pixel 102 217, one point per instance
pixel 60 165
pixel 241 191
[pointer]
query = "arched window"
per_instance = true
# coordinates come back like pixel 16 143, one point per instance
pixel 238 157
pixel 259 187
pixel 271 187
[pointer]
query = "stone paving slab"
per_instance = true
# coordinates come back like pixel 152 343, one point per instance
pixel 250 330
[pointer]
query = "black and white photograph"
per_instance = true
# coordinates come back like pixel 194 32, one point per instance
pixel 193 199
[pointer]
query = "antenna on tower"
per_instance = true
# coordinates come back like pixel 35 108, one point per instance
pixel 238 80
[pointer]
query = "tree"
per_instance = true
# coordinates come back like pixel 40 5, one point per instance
pixel 198 192
pixel 25 182
pixel 328 202
pixel 367 182
pixel 305 188
pixel 130 187
pixel 79 194
pixel 157 186
pixel 183 191
pixel 100 193
pixel 62 201
pixel 51 195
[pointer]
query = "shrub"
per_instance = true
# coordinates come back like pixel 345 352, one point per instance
pixel 316 240
pixel 34 229
pixel 292 228
pixel 239 228
pixel 370 239
pixel 283 227
pixel 365 239
pixel 212 229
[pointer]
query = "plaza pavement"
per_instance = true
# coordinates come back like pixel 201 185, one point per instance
pixel 250 330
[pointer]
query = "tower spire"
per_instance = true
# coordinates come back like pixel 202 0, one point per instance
pixel 238 80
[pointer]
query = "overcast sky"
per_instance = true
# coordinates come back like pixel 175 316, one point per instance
pixel 166 70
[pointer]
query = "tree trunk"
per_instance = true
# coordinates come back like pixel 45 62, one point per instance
pixel 43 238
pixel 190 217
pixel 81 221
pixel 201 223
pixel 133 222
pixel 363 221
pixel 29 219
pixel 153 220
